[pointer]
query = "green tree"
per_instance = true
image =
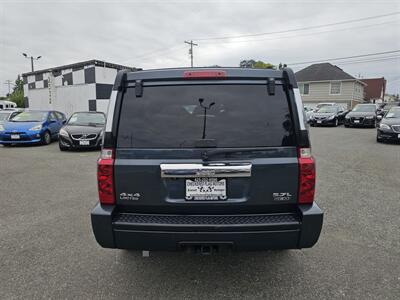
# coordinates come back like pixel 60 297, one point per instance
pixel 251 63
pixel 17 95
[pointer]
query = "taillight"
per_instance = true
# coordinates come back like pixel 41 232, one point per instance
pixel 306 176
pixel 204 74
pixel 105 177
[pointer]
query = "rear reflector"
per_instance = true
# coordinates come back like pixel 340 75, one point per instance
pixel 204 74
pixel 307 176
pixel 105 177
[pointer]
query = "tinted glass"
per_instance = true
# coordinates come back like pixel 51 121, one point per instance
pixel 394 112
pixel 185 116
pixel 365 108
pixel 328 109
pixel 87 119
pixel 30 116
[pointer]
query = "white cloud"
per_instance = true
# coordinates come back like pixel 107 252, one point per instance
pixel 125 31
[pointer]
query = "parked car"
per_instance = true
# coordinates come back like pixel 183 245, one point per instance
pixel 187 164
pixel 385 107
pixel 309 112
pixel 330 115
pixel 82 130
pixel 32 126
pixel 7 114
pixel 389 127
pixel 362 115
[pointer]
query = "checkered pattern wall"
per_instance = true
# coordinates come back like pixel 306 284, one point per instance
pixel 79 75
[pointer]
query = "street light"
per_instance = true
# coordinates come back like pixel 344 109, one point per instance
pixel 31 58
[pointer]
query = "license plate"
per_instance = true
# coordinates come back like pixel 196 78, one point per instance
pixel 15 137
pixel 398 136
pixel 356 121
pixel 84 143
pixel 319 122
pixel 205 189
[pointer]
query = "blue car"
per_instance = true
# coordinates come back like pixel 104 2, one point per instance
pixel 32 126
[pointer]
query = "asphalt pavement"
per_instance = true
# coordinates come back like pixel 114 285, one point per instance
pixel 47 249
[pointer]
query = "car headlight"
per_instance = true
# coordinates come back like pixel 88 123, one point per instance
pixel 35 128
pixel 347 117
pixel 63 132
pixel 2 128
pixel 331 117
pixel 369 117
pixel 384 126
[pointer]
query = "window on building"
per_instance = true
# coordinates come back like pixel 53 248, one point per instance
pixel 304 88
pixel 336 88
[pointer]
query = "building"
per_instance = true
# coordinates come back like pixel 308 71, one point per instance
pixel 375 89
pixel 81 86
pixel 328 83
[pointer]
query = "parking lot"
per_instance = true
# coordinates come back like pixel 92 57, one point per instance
pixel 47 248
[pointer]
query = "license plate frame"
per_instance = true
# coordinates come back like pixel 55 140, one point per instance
pixel 15 137
pixel 84 143
pixel 205 189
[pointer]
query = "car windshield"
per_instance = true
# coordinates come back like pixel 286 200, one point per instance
pixel 394 112
pixel 364 108
pixel 87 119
pixel 327 109
pixel 4 115
pixel 30 116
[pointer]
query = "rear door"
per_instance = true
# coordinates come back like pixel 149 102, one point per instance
pixel 205 148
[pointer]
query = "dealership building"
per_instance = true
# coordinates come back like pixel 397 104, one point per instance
pixel 83 86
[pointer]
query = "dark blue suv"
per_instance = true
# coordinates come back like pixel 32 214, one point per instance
pixel 206 159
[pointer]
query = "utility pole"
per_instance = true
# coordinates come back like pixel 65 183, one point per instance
pixel 9 83
pixel 31 58
pixel 191 51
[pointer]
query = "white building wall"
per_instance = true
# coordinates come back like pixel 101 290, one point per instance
pixel 105 75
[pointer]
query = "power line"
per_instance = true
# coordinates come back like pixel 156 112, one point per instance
pixel 298 29
pixel 297 35
pixel 341 58
pixel 369 60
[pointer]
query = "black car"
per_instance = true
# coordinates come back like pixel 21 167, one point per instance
pixel 385 107
pixel 362 115
pixel 187 164
pixel 83 130
pixel 389 127
pixel 329 115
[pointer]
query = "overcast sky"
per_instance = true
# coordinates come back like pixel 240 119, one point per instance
pixel 151 34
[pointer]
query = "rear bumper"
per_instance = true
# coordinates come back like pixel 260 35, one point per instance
pixel 175 232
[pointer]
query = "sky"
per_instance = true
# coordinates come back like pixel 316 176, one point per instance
pixel 151 34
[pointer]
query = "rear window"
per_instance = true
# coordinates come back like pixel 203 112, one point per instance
pixel 224 115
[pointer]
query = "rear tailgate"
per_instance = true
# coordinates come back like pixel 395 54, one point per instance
pixel 206 147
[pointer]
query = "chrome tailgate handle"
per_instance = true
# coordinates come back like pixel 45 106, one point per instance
pixel 206 170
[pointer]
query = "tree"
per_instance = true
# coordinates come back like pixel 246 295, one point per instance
pixel 251 63
pixel 17 95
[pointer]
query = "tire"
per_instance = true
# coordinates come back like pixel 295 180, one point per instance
pixel 46 138
pixel 378 140
pixel 336 123
pixel 62 148
pixel 6 145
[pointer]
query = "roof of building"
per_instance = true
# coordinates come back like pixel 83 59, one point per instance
pixel 79 65
pixel 322 72
pixel 375 88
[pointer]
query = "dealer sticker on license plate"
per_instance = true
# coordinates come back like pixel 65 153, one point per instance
pixel 15 137
pixel 205 189
pixel 84 143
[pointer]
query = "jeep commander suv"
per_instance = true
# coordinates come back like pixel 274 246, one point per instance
pixel 206 159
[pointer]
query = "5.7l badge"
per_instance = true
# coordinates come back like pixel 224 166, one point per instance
pixel 282 196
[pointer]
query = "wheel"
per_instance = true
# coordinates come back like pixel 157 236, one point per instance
pixel 336 123
pixel 62 148
pixel 378 139
pixel 46 138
